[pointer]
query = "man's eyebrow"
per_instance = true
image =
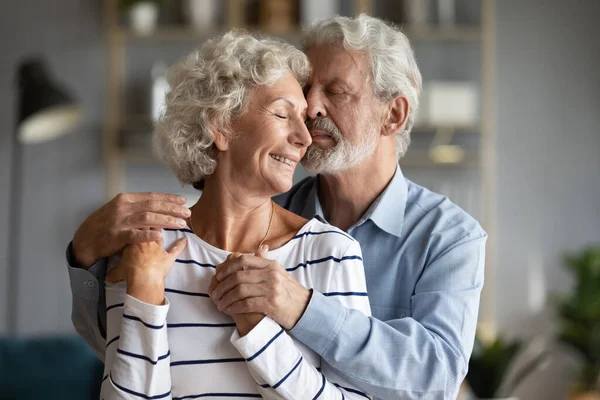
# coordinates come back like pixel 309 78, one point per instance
pixel 341 82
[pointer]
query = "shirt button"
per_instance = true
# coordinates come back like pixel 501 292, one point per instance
pixel 90 283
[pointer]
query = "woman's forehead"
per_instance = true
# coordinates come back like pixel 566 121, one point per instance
pixel 287 91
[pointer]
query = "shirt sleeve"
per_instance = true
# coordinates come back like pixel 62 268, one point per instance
pixel 138 359
pixel 87 307
pixel 278 365
pixel 424 356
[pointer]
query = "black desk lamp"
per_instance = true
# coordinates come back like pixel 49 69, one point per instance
pixel 45 112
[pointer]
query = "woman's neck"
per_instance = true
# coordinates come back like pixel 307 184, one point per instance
pixel 231 221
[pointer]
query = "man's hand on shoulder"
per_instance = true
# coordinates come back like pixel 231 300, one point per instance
pixel 124 220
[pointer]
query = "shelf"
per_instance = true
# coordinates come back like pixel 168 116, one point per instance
pixel 181 33
pixel 425 128
pixel 167 33
pixel 420 159
pixel 439 33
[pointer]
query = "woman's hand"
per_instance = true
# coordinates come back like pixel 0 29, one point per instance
pixel 144 267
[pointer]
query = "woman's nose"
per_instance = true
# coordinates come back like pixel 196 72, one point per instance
pixel 302 137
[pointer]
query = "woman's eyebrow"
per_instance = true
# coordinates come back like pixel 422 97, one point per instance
pixel 286 100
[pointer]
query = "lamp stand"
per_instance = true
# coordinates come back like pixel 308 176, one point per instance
pixel 14 233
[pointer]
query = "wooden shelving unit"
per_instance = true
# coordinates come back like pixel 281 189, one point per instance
pixel 116 156
pixel 465 33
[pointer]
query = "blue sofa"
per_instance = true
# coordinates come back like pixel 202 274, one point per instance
pixel 48 368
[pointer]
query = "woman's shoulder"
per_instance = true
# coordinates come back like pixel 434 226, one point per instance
pixel 321 238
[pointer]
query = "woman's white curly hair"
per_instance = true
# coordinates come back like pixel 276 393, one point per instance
pixel 210 88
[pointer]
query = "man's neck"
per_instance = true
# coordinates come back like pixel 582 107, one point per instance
pixel 347 195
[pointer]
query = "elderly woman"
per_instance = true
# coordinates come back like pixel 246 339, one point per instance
pixel 235 120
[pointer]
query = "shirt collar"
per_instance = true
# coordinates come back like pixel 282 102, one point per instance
pixel 387 211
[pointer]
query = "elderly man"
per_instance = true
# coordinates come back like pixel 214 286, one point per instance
pixel 423 255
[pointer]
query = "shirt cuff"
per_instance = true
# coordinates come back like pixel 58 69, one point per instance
pixel 320 323
pixel 256 340
pixel 269 352
pixel 149 313
pixel 84 282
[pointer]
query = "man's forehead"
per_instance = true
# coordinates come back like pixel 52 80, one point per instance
pixel 333 62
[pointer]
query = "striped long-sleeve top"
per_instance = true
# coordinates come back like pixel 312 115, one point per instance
pixel 187 349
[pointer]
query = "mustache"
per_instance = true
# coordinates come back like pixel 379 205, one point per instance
pixel 324 124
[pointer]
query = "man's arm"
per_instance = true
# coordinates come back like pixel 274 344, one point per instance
pixel 126 219
pixel 421 357
pixel 277 364
pixel 88 308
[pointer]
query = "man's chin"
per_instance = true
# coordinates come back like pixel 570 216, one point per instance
pixel 318 166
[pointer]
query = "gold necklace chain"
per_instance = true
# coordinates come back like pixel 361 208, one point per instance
pixel 264 237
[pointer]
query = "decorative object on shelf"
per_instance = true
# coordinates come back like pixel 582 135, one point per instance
pixel 448 103
pixel 276 16
pixel 442 151
pixel 313 10
pixel 416 12
pixel 46 111
pixel 446 12
pixel 498 367
pixel 579 320
pixel 160 87
pixel 201 14
pixel 143 15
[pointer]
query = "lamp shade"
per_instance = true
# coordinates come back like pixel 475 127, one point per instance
pixel 46 111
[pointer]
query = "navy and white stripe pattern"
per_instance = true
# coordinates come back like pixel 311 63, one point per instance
pixel 187 349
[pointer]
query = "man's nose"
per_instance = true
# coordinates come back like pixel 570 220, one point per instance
pixel 316 106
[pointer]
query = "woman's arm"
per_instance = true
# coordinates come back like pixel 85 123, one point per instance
pixel 108 230
pixel 278 365
pixel 137 354
pixel 138 358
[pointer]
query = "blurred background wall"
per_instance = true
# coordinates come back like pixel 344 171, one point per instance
pixel 62 180
pixel 548 167
pixel 548 161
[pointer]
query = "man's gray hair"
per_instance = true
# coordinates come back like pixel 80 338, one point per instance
pixel 210 88
pixel 393 66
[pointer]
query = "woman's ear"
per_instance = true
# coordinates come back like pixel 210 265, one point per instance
pixel 396 116
pixel 221 141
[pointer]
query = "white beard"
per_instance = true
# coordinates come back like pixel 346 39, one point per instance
pixel 344 155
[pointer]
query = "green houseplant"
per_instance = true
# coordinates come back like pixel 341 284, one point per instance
pixel 492 373
pixel 579 318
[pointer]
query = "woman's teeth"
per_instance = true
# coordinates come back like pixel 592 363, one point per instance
pixel 283 160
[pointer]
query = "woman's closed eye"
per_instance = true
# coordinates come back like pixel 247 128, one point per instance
pixel 281 116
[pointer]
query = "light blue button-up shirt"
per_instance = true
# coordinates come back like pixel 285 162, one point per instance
pixel 424 260
pixel 424 263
